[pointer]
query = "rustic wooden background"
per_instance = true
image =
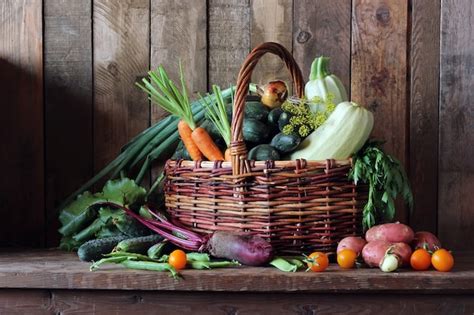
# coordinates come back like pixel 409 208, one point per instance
pixel 67 69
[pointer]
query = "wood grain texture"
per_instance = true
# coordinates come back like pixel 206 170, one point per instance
pixel 179 33
pixel 271 21
pixel 121 57
pixel 323 28
pixel 20 302
pixel 21 123
pixel 68 103
pixel 456 125
pixel 424 82
pixel 92 302
pixel 60 270
pixel 229 40
pixel 379 73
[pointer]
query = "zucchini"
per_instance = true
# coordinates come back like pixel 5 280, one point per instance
pixel 284 120
pixel 274 115
pixel 181 152
pixel 285 143
pixel 256 110
pixel 263 152
pixel 253 109
pixel 138 245
pixel 94 250
pixel 255 131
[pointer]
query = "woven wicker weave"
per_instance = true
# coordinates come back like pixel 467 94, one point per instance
pixel 299 206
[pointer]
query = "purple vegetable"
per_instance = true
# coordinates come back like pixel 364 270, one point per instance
pixel 247 249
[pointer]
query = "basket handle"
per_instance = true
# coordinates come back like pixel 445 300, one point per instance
pixel 238 151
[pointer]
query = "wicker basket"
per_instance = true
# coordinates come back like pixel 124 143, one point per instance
pixel 299 206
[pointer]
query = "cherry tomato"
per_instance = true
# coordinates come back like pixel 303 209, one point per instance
pixel 442 260
pixel 346 258
pixel 177 259
pixel 420 259
pixel 318 261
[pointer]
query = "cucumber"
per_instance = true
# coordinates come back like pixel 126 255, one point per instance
pixel 285 143
pixel 263 152
pixel 94 250
pixel 138 245
pixel 284 120
pixel 255 131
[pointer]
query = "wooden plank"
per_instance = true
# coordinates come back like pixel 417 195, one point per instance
pixel 456 125
pixel 121 57
pixel 21 302
pixel 229 39
pixel 68 102
pixel 179 33
pixel 424 81
pixel 323 28
pixel 59 270
pixel 88 302
pixel 21 123
pixel 379 72
pixel 271 21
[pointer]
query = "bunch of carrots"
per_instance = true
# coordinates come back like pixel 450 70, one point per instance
pixel 164 92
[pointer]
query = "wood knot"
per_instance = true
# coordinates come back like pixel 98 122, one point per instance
pixel 303 37
pixel 383 15
pixel 112 68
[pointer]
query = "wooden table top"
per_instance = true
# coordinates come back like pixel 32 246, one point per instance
pixel 53 269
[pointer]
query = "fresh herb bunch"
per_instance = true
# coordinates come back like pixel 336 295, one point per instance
pixel 386 179
pixel 307 115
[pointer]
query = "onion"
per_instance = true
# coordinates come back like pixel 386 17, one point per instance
pixel 273 94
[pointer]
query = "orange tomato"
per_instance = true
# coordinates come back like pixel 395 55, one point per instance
pixel 346 258
pixel 420 259
pixel 177 259
pixel 442 260
pixel 317 261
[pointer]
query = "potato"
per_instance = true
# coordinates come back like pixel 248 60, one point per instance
pixel 404 251
pixel 390 232
pixel 374 251
pixel 422 238
pixel 355 243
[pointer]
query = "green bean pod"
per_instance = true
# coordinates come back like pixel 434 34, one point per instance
pixel 148 265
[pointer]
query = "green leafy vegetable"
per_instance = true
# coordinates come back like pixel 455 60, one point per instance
pixel 386 179
pixel 82 219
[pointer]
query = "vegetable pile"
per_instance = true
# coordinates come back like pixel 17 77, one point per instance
pixel 118 226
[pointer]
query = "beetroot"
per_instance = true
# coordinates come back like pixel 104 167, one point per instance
pixel 245 248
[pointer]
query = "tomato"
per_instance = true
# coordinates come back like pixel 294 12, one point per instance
pixel 317 261
pixel 346 258
pixel 177 259
pixel 442 260
pixel 420 259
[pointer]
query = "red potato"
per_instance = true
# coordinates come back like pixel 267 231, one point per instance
pixel 390 232
pixel 354 243
pixel 404 251
pixel 422 238
pixel 374 251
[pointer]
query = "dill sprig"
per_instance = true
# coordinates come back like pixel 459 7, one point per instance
pixel 307 115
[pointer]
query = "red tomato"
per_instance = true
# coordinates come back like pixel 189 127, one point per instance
pixel 420 259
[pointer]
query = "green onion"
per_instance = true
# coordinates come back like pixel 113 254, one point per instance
pixel 217 114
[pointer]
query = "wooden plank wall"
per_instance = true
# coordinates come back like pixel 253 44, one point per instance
pixel 67 69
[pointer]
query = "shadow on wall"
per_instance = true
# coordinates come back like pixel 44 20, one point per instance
pixel 21 157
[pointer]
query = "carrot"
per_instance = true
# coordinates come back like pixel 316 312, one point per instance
pixel 206 145
pixel 185 132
